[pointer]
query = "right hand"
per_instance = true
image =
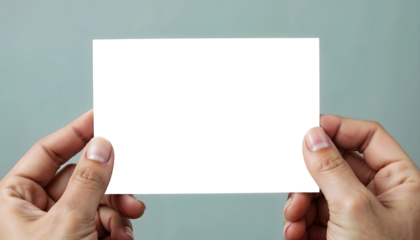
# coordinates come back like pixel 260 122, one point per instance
pixel 374 196
pixel 37 203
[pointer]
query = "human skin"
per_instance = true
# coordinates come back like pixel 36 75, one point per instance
pixel 36 202
pixel 375 195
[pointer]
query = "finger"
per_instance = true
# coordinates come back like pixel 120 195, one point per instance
pixel 89 181
pixel 307 215
pixel 317 207
pixel 360 168
pixel 294 230
pixel 355 159
pixel 117 225
pixel 43 160
pixel 128 205
pixel 370 138
pixel 304 206
pixel 329 170
pixel 297 205
pixel 297 211
pixel 363 172
pixel 58 184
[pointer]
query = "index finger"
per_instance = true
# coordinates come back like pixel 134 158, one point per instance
pixel 43 160
pixel 378 147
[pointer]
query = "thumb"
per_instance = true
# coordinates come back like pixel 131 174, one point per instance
pixel 89 180
pixel 330 171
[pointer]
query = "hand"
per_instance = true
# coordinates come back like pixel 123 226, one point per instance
pixel 374 196
pixel 37 203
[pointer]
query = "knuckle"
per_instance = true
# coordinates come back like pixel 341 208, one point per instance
pixel 357 205
pixel 88 177
pixel 329 164
pixel 376 125
pixel 116 216
pixel 46 151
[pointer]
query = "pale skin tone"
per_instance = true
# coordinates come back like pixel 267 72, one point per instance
pixel 371 196
pixel 36 202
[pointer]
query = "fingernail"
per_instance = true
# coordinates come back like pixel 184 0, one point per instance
pixel 99 150
pixel 132 195
pixel 286 226
pixel 316 139
pixel 129 232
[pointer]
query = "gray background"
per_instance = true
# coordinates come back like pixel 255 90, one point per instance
pixel 370 69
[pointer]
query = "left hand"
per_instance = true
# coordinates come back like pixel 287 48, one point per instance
pixel 38 203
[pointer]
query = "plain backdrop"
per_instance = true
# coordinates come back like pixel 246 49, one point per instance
pixel 370 69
